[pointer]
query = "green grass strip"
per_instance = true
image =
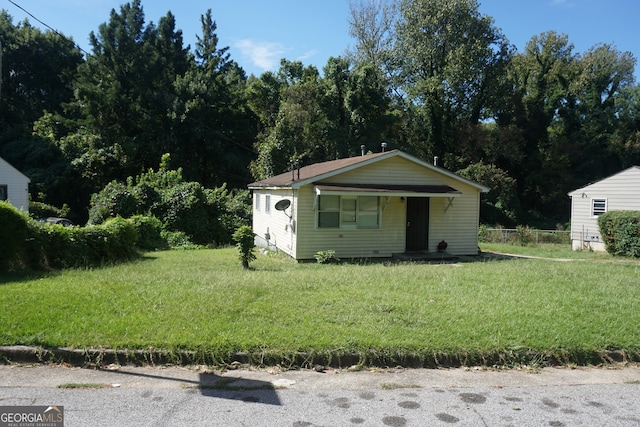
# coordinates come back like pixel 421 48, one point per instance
pixel 513 311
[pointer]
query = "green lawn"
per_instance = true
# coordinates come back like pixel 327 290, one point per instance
pixel 514 311
pixel 547 250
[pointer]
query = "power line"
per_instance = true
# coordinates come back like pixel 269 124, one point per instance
pixel 49 27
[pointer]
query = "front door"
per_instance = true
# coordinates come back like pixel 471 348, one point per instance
pixel 417 223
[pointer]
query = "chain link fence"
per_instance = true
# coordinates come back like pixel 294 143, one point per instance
pixel 522 235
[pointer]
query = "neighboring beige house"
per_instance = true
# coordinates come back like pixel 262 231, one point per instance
pixel 14 186
pixel 620 192
pixel 375 205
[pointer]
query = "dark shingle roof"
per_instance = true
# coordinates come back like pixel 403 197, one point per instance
pixel 318 171
pixel 312 171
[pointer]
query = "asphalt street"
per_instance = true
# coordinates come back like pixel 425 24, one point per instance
pixel 177 396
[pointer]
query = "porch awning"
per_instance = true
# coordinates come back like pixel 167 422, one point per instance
pixel 387 190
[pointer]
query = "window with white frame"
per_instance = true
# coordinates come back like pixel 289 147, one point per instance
pixel 598 207
pixel 257 197
pixel 348 212
pixel 267 204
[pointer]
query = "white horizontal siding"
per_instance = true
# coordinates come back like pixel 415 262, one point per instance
pixel 395 170
pixel 276 224
pixel 622 192
pixel 389 239
pixel 17 185
pixel 456 224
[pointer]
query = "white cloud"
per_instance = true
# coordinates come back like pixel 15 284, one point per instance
pixel 265 55
pixel 307 55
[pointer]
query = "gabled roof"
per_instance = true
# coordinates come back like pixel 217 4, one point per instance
pixel 312 172
pixel 318 171
pixel 581 189
pixel 8 166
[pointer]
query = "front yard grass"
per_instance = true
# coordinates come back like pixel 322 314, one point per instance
pixel 517 311
pixel 548 250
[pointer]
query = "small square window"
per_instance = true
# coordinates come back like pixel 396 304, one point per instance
pixel 598 207
pixel 328 219
pixel 329 203
pixel 329 212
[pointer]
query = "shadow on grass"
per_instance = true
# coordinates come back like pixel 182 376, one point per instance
pixel 26 276
pixel 432 258
pixel 23 275
pixel 212 385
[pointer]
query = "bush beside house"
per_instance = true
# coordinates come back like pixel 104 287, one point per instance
pixel 191 213
pixel 29 244
pixel 14 233
pixel 620 231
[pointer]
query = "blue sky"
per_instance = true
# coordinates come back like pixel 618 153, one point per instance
pixel 261 32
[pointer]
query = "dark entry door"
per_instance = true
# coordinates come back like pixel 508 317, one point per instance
pixel 417 223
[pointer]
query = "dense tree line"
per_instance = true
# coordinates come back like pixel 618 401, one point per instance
pixel 431 77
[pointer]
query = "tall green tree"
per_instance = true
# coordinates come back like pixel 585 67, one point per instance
pixel 449 57
pixel 372 117
pixel 297 131
pixel 318 118
pixel 540 78
pixel 625 141
pixel 604 73
pixel 213 125
pixel 125 88
pixel 37 70
pixel 563 110
pixel 371 24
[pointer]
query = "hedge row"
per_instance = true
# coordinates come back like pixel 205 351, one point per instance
pixel 620 231
pixel 27 244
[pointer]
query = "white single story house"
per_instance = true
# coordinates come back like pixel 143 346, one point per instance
pixel 619 192
pixel 14 186
pixel 374 205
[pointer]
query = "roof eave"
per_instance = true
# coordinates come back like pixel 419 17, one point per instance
pixel 312 179
pixel 446 172
pixel 270 187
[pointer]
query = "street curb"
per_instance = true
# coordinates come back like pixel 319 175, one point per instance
pixel 101 357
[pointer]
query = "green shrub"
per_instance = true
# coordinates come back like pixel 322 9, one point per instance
pixel 55 247
pixel 205 216
pixel 620 231
pixel 43 210
pixel 178 240
pixel 233 209
pixel 326 257
pixel 116 199
pixel 244 237
pixel 120 239
pixel 482 233
pixel 149 230
pixel 525 235
pixel 184 208
pixel 13 236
